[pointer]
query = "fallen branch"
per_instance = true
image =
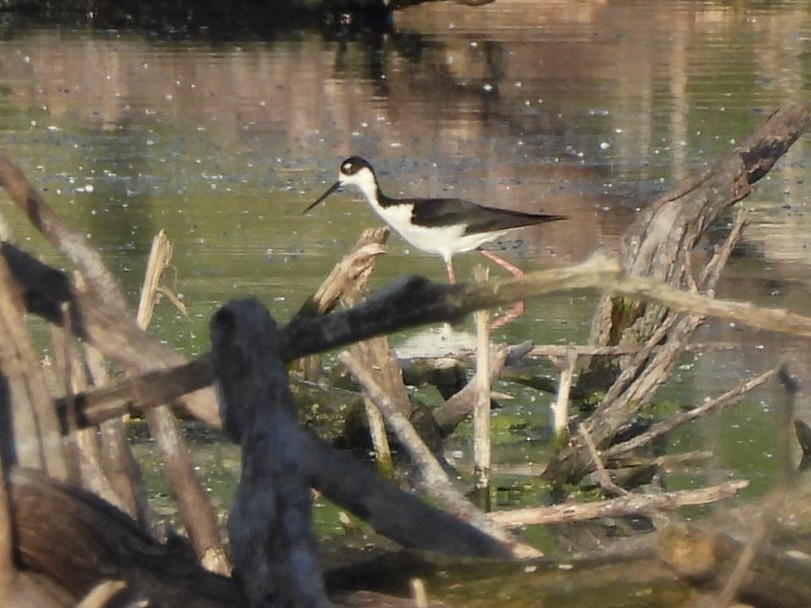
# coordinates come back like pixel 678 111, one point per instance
pixel 632 504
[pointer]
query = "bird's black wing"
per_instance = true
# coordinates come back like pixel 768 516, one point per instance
pixel 437 212
pixel 475 218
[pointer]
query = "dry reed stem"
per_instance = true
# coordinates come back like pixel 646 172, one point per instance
pixel 481 408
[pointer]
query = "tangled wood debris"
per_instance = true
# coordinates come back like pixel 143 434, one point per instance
pixel 74 531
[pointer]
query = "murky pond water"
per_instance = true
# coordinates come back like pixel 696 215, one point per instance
pixel 587 109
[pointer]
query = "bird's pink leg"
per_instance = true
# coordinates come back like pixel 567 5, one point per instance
pixel 451 273
pixel 518 308
pixel 513 270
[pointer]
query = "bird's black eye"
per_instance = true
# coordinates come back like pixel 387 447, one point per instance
pixel 346 168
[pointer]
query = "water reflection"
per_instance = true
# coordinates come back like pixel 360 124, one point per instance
pixel 587 109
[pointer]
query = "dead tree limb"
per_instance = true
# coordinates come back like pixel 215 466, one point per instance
pixel 352 270
pixel 378 314
pixel 269 525
pixel 659 244
pixel 630 504
pixel 666 426
pixel 71 243
pixel 660 241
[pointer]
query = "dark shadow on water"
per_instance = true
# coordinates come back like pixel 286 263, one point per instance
pixel 211 20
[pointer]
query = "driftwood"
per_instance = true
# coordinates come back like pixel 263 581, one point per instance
pixel 660 244
pixel 269 526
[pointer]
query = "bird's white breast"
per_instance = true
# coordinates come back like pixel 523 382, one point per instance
pixel 439 240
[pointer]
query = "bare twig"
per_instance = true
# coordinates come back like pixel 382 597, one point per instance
pixel 666 426
pixel 606 483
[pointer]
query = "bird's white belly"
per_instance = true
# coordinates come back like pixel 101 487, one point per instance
pixel 440 240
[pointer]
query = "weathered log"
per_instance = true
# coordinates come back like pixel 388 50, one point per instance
pixel 661 239
pixel 269 525
pixel 78 540
pixel 660 244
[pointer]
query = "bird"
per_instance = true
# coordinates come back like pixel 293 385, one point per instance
pixel 441 226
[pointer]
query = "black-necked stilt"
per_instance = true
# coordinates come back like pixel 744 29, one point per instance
pixel 443 226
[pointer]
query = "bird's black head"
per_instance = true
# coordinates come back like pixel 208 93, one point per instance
pixel 353 164
pixel 354 171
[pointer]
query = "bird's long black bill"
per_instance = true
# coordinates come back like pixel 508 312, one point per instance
pixel 332 189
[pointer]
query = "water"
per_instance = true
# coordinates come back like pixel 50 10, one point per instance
pixel 587 109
